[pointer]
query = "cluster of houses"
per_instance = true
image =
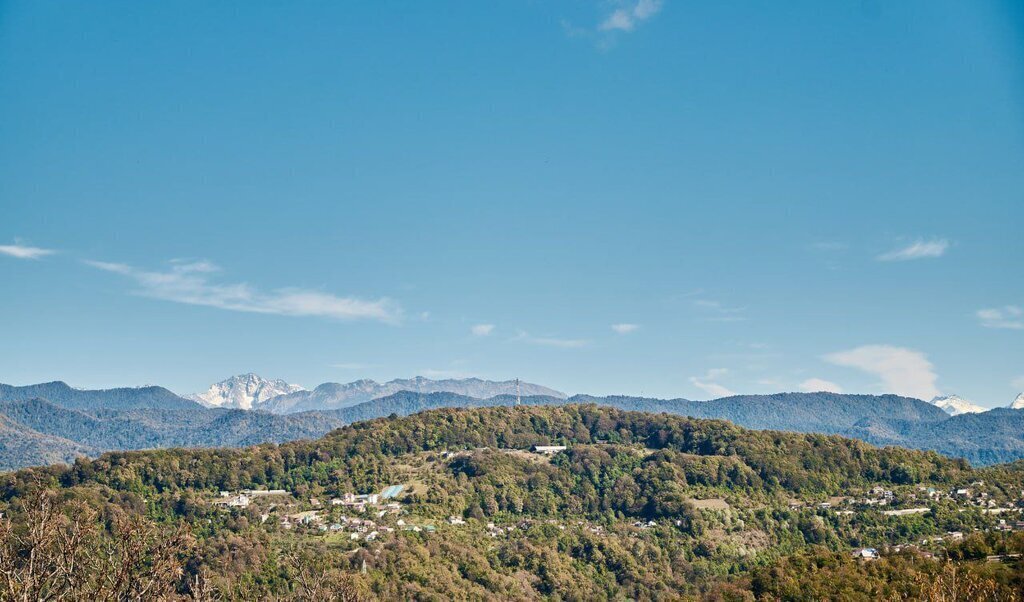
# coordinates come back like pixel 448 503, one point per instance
pixel 497 530
pixel 359 502
pixel 1004 525
pixel 415 528
pixel 245 497
pixel 357 528
pixel 868 554
pixel 356 502
pixel 319 518
pixel 950 536
pixel 966 497
pixel 326 520
pixel 873 553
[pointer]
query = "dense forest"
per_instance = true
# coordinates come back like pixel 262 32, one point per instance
pixel 636 506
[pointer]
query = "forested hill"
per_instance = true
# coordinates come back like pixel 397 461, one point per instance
pixel 768 460
pixel 986 438
pixel 989 438
pixel 637 506
pixel 40 432
pixel 801 412
pixel 98 399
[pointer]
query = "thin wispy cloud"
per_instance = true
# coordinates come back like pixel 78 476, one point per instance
pixel 919 249
pixel 525 337
pixel 199 266
pixel 708 384
pixel 1010 317
pixel 814 385
pixel 716 311
pixel 901 370
pixel 482 330
pixel 627 15
pixel 191 283
pixel 25 252
pixel 625 328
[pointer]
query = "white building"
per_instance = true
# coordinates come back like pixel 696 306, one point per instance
pixel 263 492
pixel 548 450
pixel 238 501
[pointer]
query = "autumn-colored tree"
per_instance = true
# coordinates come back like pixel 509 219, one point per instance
pixel 62 552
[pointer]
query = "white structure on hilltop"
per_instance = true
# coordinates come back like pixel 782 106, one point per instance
pixel 236 501
pixel 548 450
pixel 263 492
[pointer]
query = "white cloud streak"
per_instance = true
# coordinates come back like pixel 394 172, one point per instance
pixel 630 14
pixel 707 383
pixel 919 249
pixel 24 252
pixel 902 371
pixel 525 337
pixel 625 328
pixel 720 312
pixel 190 283
pixel 814 385
pixel 1009 317
pixel 482 330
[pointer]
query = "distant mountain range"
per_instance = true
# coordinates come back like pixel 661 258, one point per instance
pixel 109 399
pixel 53 422
pixel 954 405
pixel 980 437
pixel 253 392
pixel 336 396
pixel 125 419
pixel 243 392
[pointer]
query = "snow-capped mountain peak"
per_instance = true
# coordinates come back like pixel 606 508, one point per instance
pixel 243 391
pixel 1018 404
pixel 334 396
pixel 955 405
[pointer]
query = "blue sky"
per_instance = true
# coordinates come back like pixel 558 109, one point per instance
pixel 669 198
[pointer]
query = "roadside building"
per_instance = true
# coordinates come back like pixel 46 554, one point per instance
pixel 547 450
